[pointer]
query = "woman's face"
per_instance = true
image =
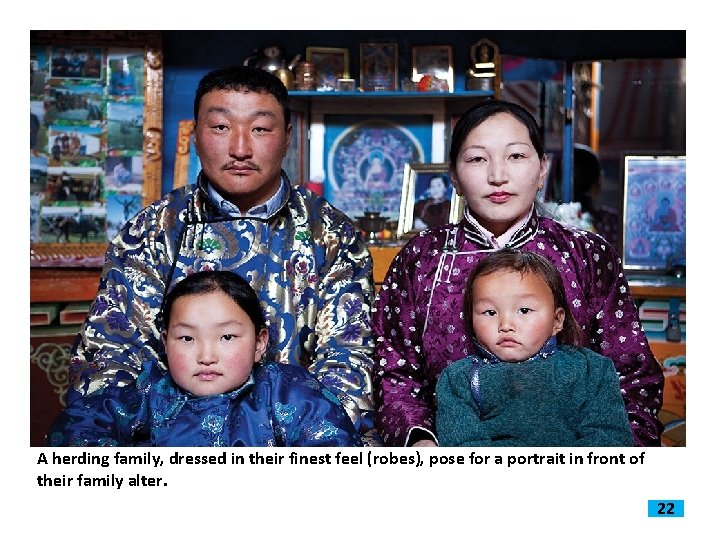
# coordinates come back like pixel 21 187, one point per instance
pixel 437 188
pixel 498 171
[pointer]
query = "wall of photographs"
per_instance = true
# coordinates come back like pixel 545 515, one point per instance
pixel 86 141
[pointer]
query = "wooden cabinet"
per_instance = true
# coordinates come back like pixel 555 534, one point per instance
pixel 670 355
pixel 54 292
pixel 660 289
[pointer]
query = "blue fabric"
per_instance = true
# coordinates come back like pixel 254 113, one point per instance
pixel 280 405
pixel 307 262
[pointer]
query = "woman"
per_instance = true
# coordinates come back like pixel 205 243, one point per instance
pixel 497 162
pixel 433 210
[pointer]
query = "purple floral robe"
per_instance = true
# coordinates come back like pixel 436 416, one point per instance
pixel 418 320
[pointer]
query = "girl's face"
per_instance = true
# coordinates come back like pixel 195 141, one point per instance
pixel 499 172
pixel 211 344
pixel 514 314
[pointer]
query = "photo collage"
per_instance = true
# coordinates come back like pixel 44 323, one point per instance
pixel 86 137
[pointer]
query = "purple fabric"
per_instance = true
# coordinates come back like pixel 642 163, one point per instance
pixel 419 324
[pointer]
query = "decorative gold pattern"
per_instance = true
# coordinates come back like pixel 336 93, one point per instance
pixel 152 125
pixel 61 255
pixel 53 359
pixel 182 152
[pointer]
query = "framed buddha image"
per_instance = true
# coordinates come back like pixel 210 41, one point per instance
pixel 378 67
pixel 654 211
pixel 332 65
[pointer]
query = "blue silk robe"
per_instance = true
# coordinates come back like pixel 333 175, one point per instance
pixel 307 262
pixel 279 405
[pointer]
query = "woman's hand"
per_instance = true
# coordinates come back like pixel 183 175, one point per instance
pixel 425 442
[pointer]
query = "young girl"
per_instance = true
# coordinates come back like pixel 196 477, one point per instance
pixel 528 384
pixel 218 391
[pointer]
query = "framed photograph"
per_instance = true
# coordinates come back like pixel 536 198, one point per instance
pixel 125 73
pixel 332 64
pixel 76 62
pixel 39 68
pixel 70 145
pixel 120 208
pixel 654 211
pixel 435 60
pixel 69 185
pixel 378 67
pixel 124 174
pixel 71 103
pixel 73 224
pixel 68 62
pixel 124 126
pixel 428 198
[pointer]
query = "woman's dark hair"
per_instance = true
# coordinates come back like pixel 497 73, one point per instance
pixel 243 78
pixel 586 175
pixel 477 114
pixel 230 283
pixel 510 259
pixel 443 177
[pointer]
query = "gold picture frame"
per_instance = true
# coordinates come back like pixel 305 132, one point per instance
pixel 419 209
pixel 435 60
pixel 331 64
pixel 148 45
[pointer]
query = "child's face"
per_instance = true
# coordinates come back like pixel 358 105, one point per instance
pixel 211 344
pixel 514 314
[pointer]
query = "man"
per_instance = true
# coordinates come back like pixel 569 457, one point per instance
pixel 309 265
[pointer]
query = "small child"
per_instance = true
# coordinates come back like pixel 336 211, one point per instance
pixel 218 391
pixel 522 388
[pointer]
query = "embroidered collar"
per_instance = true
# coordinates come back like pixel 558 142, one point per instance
pixel 478 234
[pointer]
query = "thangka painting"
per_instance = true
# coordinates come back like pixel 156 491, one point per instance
pixel 655 212
pixel 364 160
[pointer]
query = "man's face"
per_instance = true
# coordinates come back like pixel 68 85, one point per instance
pixel 241 139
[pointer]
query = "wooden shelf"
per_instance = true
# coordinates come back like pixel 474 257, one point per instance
pixel 389 94
pixel 63 284
pixel 665 349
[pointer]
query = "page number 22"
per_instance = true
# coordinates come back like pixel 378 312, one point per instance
pixel 666 508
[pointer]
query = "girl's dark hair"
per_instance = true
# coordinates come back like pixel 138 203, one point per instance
pixel 477 114
pixel 243 78
pixel 510 259
pixel 209 281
